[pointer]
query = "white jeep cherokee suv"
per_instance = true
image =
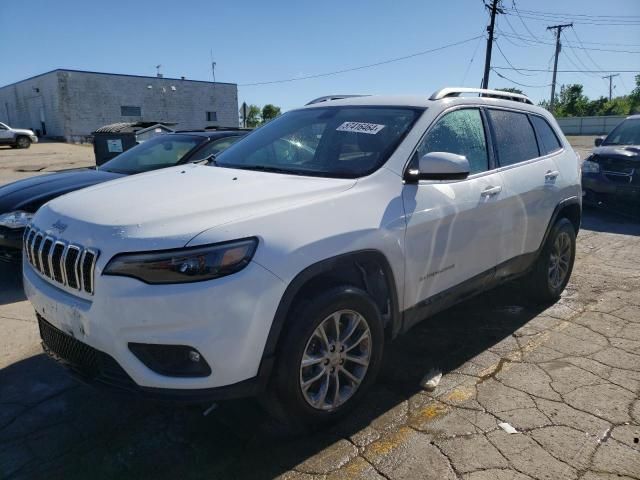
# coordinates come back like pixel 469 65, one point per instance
pixel 282 267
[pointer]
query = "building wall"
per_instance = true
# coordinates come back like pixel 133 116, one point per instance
pixel 77 103
pixel 23 103
pixel 95 100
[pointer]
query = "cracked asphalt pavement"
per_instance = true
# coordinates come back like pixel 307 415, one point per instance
pixel 565 376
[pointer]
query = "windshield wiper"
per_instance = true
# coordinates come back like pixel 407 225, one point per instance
pixel 265 168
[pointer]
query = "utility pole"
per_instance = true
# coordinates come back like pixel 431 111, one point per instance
pixel 610 77
pixel 494 9
pixel 558 29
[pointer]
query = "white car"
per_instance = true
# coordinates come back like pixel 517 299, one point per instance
pixel 282 267
pixel 16 137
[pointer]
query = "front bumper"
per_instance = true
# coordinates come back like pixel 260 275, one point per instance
pixel 34 139
pixel 95 367
pixel 598 188
pixel 11 244
pixel 11 238
pixel 227 320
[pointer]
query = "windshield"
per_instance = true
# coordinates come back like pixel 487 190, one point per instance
pixel 332 141
pixel 627 133
pixel 159 152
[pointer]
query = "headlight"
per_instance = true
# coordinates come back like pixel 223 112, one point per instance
pixel 192 264
pixel 18 219
pixel 589 166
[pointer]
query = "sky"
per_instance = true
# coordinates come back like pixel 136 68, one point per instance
pixel 262 41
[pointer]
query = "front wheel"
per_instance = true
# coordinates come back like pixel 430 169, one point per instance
pixel 23 142
pixel 330 356
pixel 553 268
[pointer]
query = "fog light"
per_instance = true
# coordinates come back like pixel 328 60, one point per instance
pixel 172 360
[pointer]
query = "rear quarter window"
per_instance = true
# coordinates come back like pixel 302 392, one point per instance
pixel 515 139
pixel 547 138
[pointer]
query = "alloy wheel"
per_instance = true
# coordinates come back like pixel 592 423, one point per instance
pixel 335 360
pixel 559 260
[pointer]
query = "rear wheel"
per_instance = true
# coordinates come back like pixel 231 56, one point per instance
pixel 330 356
pixel 553 267
pixel 23 142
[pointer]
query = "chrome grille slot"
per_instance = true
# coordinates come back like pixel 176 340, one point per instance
pixel 70 265
pixel 37 243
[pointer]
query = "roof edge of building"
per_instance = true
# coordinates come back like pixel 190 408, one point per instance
pixel 116 75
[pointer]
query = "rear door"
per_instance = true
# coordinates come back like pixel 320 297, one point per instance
pixel 530 175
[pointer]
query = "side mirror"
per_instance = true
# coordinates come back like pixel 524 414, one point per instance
pixel 441 166
pixel 598 141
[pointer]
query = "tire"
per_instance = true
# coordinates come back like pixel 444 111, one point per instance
pixel 553 267
pixel 23 142
pixel 299 409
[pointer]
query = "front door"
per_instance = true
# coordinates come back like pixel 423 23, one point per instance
pixel 452 226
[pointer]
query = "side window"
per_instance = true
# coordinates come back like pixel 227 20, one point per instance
pixel 460 132
pixel 515 138
pixel 546 136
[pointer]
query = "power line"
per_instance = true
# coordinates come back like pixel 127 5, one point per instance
pixel 573 44
pixel 518 83
pixel 473 56
pixel 509 63
pixel 362 67
pixel 522 21
pixel 630 23
pixel 570 71
pixel 529 39
pixel 538 12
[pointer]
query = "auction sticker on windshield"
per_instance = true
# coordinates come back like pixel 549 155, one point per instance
pixel 360 127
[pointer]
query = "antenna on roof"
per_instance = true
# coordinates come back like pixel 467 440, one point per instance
pixel 158 74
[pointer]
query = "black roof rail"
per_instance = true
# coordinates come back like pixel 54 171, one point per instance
pixel 328 98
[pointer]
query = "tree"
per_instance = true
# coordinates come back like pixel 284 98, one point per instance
pixel 571 102
pixel 253 116
pixel 634 97
pixel 269 112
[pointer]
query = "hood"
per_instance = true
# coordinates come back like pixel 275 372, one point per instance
pixel 622 152
pixel 167 208
pixel 24 131
pixel 31 193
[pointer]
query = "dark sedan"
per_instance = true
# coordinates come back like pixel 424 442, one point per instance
pixel 611 174
pixel 20 200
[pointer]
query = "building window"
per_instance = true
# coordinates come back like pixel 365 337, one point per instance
pixel 128 111
pixel 212 116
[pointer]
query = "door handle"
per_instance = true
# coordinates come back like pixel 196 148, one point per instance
pixel 551 174
pixel 491 191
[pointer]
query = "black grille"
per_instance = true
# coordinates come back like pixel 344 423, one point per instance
pixel 87 271
pixel 70 265
pixel 67 349
pixel 56 257
pixel 46 249
pixel 89 363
